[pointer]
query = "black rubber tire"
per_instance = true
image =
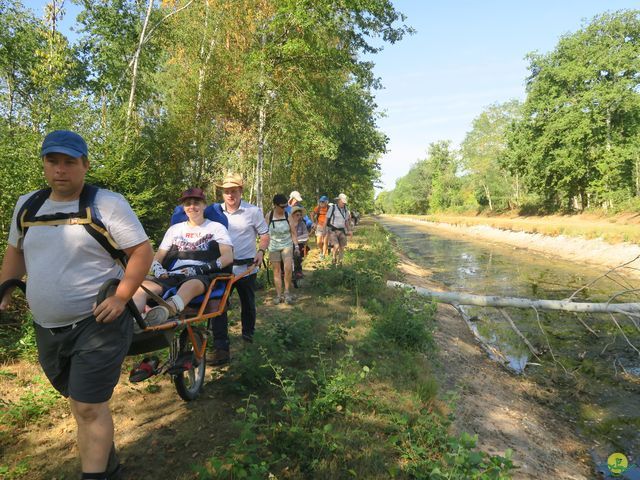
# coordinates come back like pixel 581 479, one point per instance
pixel 13 282
pixel 189 383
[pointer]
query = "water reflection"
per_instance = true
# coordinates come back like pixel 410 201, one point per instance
pixel 596 366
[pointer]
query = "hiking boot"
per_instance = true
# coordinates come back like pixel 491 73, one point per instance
pixel 288 299
pixel 247 337
pixel 218 357
pixel 277 300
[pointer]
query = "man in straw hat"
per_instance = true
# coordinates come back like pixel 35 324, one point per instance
pixel 246 222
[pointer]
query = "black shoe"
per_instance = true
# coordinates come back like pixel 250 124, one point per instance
pixel 247 337
pixel 218 357
pixel 114 467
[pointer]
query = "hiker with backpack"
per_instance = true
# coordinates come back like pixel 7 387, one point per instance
pixel 320 220
pixel 302 233
pixel 188 255
pixel 295 200
pixel 68 240
pixel 339 225
pixel 283 245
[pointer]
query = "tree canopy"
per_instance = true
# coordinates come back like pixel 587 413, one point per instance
pixel 172 94
pixel 575 141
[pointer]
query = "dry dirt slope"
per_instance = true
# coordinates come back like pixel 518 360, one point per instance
pixel 499 406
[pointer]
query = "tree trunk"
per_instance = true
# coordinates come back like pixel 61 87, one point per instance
pixel 637 172
pixel 494 301
pixel 134 73
pixel 198 160
pixel 262 117
pixel 488 194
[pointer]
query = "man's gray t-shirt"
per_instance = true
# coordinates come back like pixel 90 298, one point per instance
pixel 65 265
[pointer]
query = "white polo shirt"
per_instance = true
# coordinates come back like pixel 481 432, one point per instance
pixel 245 224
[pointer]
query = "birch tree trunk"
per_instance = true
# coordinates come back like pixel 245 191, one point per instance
pixel 494 301
pixel 262 117
pixel 136 59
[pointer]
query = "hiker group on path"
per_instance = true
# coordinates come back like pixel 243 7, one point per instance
pixel 86 235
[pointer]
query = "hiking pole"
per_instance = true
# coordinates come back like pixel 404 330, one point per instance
pixel 268 270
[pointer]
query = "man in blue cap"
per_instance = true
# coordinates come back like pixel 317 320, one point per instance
pixel 80 346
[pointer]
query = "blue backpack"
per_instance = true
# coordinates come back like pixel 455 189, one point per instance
pixel 213 212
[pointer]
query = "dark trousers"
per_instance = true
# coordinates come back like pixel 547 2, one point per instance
pixel 219 326
pixel 297 259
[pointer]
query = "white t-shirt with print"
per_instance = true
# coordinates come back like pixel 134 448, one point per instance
pixel 196 238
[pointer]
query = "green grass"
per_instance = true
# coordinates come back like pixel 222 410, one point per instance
pixel 337 386
pixel 340 386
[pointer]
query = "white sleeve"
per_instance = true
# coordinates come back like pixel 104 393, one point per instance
pixel 14 234
pixel 122 223
pixel 169 236
pixel 221 234
pixel 259 223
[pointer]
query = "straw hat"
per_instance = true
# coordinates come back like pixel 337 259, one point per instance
pixel 231 180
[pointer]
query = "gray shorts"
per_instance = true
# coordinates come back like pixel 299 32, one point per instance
pixel 338 238
pixel 84 361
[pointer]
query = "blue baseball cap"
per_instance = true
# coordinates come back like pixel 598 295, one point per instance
pixel 324 198
pixel 64 141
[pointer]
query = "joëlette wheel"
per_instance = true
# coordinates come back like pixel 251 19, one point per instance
pixel 189 382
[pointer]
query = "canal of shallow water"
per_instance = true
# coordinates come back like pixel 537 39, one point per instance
pixel 586 359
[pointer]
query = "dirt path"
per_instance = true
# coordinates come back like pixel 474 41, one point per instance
pixel 499 406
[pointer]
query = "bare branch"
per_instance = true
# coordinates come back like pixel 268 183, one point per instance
pixel 609 344
pixel 606 274
pixel 555 360
pixel 519 333
pixel 586 326
pixel 623 334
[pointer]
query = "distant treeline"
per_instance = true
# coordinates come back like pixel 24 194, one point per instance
pixel 170 94
pixel 573 144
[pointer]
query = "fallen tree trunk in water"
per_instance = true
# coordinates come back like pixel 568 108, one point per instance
pixel 495 301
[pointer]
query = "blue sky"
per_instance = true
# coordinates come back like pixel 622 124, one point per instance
pixel 464 56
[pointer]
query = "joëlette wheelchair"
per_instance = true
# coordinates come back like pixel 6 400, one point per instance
pixel 186 336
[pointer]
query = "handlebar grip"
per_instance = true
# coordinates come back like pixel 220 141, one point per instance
pixel 107 289
pixel 12 283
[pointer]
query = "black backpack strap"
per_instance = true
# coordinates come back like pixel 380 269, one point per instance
pixel 86 216
pixel 330 217
pixel 286 217
pixel 28 210
pixel 95 227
